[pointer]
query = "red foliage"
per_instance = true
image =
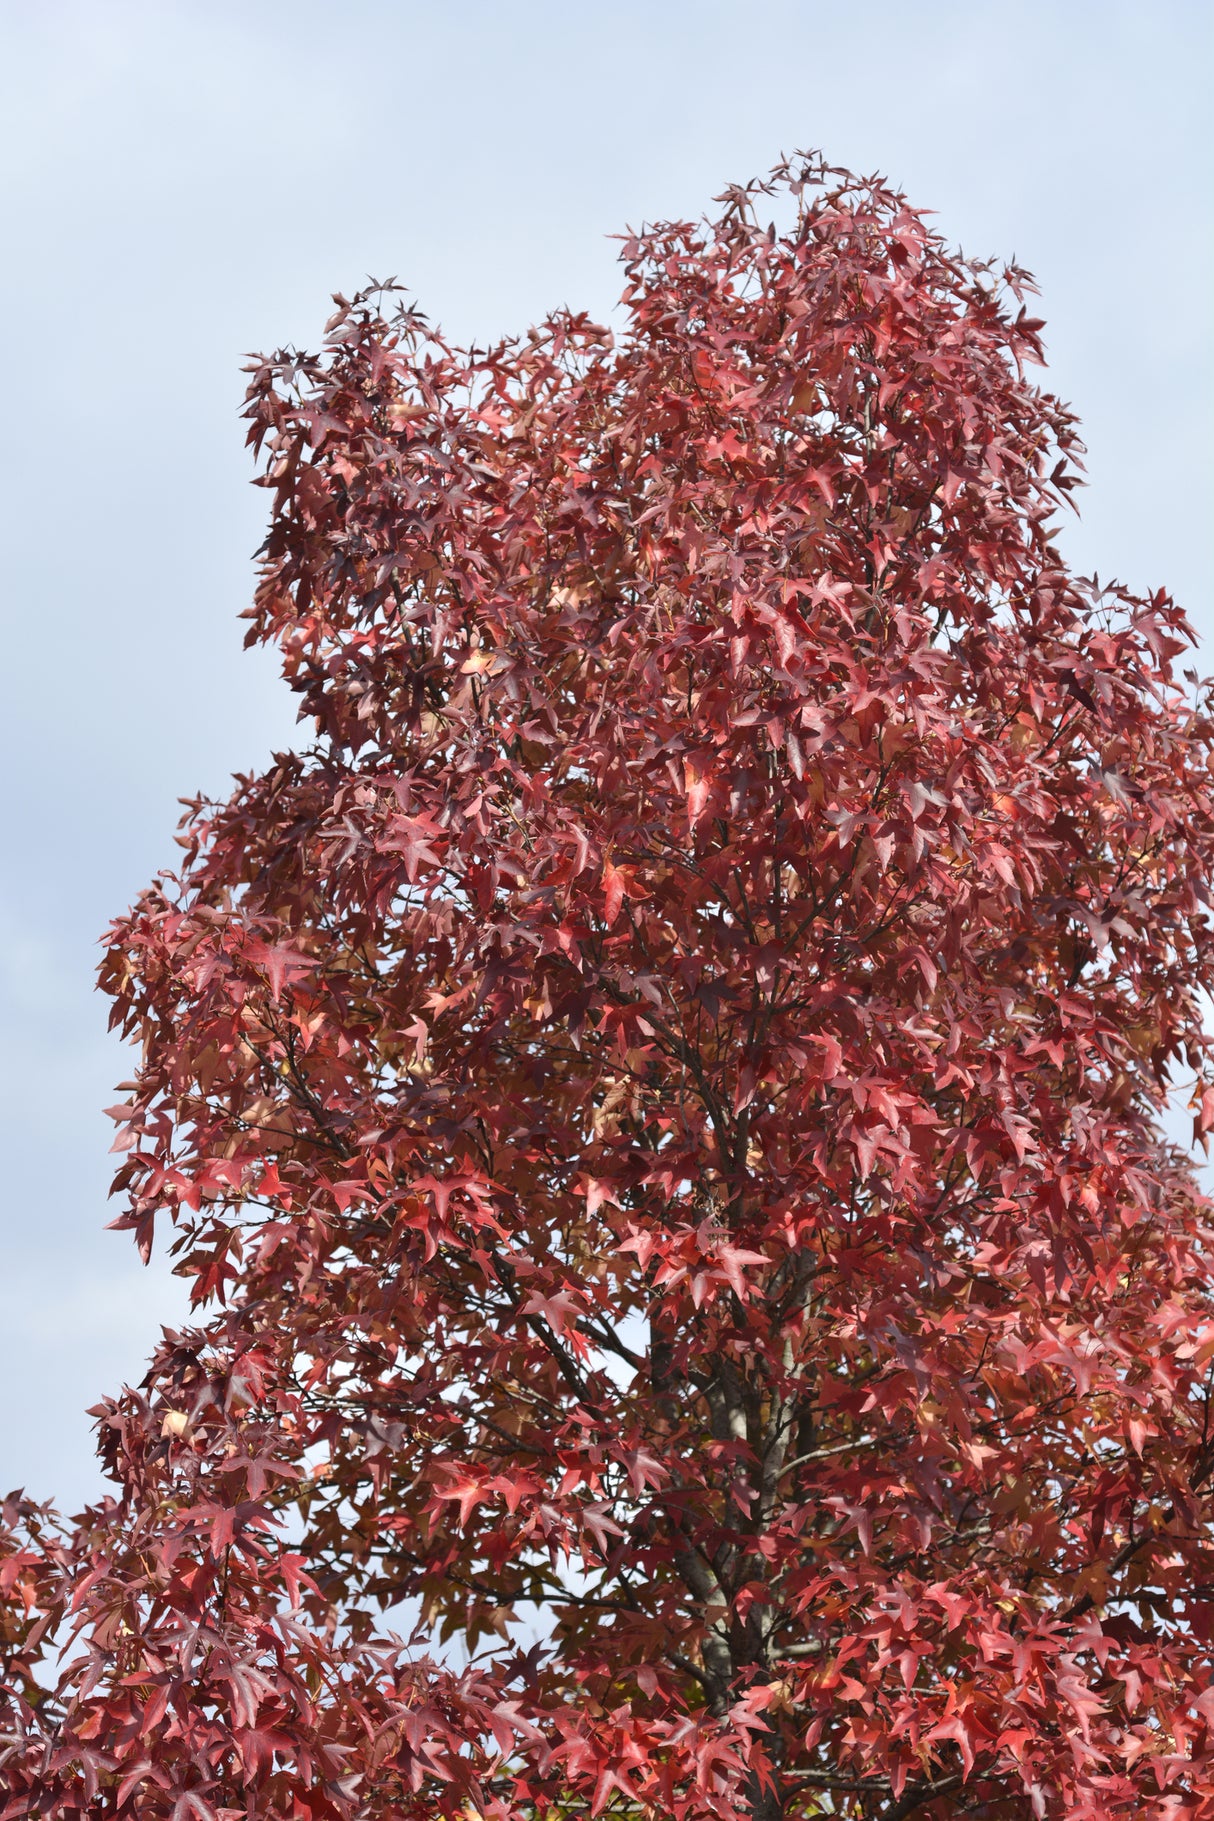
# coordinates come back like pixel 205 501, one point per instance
pixel 661 1104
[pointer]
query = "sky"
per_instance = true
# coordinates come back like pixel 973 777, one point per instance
pixel 184 183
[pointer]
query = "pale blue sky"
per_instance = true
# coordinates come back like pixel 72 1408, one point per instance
pixel 184 182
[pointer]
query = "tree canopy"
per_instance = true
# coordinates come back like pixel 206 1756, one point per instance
pixel 660 1105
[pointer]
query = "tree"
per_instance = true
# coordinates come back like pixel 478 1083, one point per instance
pixel 660 1106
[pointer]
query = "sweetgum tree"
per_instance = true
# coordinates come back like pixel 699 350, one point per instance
pixel 660 1104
